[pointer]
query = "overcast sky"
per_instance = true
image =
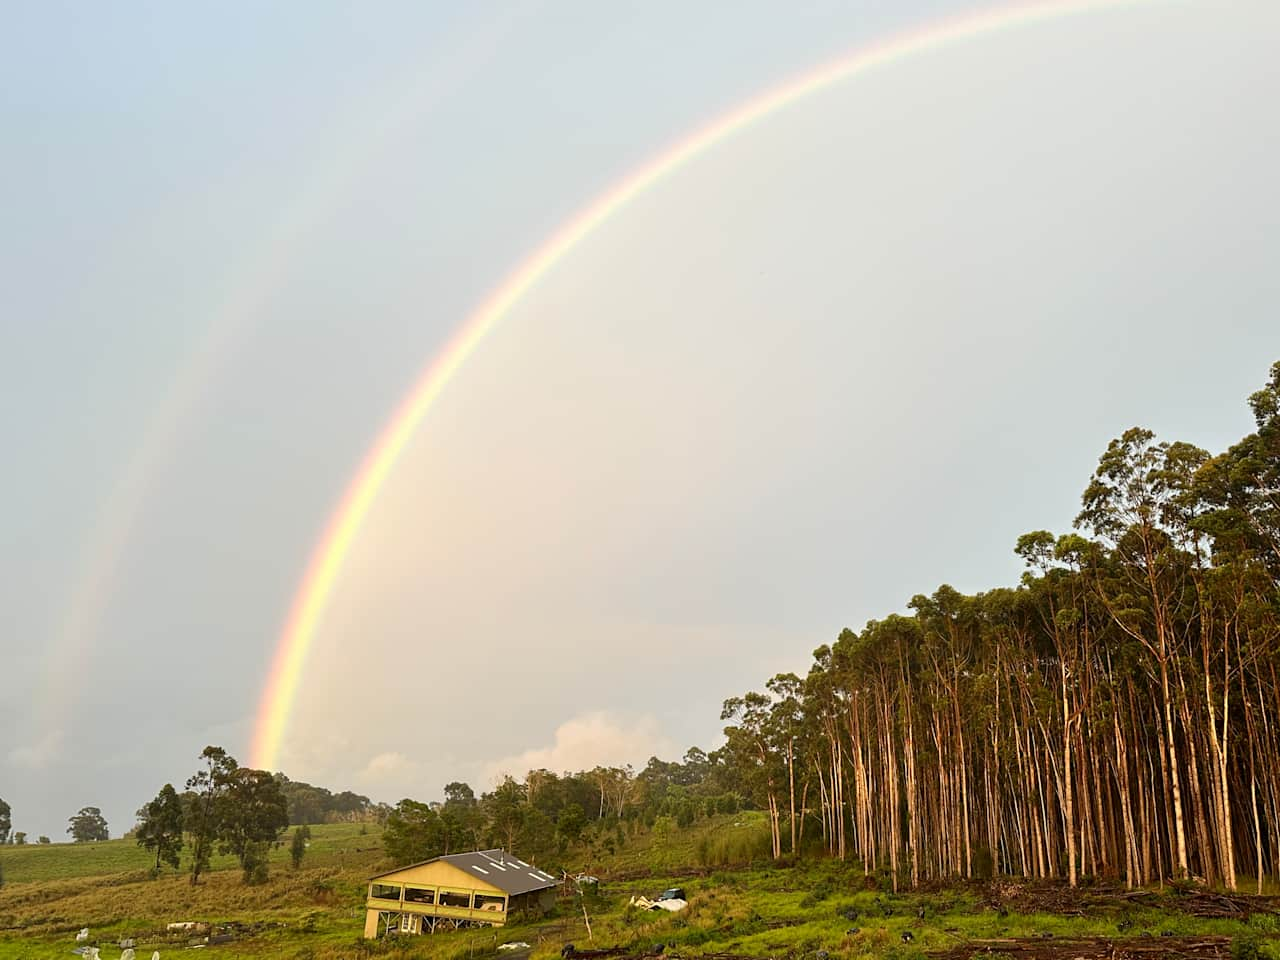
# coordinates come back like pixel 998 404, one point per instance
pixel 843 357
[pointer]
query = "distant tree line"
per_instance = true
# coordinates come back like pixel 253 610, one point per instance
pixel 547 814
pixel 311 805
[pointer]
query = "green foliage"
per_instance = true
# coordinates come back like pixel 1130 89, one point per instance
pixel 817 893
pixel 310 804
pixel 252 814
pixel 506 810
pixel 459 794
pixel 1245 947
pixel 413 833
pixel 685 816
pixel 253 862
pixel 571 823
pixel 1265 923
pixel 206 790
pixel 6 821
pixel 88 825
pixel 243 811
pixel 160 826
pixel 298 845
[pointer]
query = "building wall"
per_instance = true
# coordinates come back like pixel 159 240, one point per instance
pixel 443 876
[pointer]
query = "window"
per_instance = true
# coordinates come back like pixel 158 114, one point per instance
pixel 385 891
pixel 419 895
pixel 493 904
pixel 454 898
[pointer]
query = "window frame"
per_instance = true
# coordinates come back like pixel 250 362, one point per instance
pixel 443 892
pixel 418 888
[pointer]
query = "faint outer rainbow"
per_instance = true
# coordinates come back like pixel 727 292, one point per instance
pixel 327 558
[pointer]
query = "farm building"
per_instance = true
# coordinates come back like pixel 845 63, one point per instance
pixel 481 888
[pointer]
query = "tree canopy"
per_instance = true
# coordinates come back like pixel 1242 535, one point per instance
pixel 87 825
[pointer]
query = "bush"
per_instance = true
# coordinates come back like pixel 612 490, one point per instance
pixel 255 864
pixel 702 851
pixel 817 893
pixel 1265 922
pixel 1245 947
pixel 310 921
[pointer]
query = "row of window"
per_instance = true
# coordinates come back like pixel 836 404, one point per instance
pixel 447 898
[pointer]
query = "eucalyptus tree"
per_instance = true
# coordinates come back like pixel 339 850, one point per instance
pixel 207 788
pixel 160 827
pixel 750 740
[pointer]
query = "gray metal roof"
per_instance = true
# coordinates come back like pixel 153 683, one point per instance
pixel 495 867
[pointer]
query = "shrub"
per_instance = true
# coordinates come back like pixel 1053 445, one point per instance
pixel 1245 947
pixel 702 851
pixel 1265 922
pixel 817 893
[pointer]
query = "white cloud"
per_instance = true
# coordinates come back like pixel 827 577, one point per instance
pixel 38 755
pixel 388 768
pixel 590 740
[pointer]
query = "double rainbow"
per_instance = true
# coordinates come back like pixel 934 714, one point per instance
pixel 326 561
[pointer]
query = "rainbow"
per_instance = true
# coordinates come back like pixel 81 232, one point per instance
pixel 342 529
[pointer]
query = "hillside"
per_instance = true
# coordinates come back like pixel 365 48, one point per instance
pixel 315 913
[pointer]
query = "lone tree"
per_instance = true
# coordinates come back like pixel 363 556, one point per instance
pixel 87 825
pixel 160 827
pixel 5 821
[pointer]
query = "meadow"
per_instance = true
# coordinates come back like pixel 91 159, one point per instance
pixel 817 909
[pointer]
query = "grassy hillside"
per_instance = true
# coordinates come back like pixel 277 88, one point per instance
pixel 61 861
pixel 316 913
pixel 736 839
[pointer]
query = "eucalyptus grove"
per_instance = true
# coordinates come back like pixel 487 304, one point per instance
pixel 1117 713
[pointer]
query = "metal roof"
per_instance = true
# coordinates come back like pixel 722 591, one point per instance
pixel 495 867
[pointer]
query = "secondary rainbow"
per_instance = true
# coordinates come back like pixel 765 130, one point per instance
pixel 342 529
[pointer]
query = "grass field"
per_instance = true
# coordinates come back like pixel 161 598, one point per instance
pixel 63 861
pixel 316 913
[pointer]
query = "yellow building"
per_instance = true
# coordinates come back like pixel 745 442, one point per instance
pixel 481 888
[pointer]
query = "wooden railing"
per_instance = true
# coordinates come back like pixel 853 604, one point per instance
pixel 438 910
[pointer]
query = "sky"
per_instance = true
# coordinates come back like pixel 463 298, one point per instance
pixel 839 358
